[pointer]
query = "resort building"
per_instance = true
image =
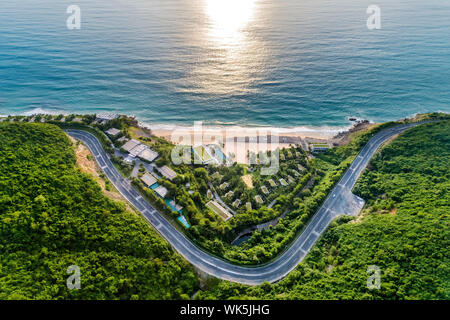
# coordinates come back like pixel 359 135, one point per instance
pixel 319 147
pixel 236 203
pixel 137 149
pixel 148 155
pixel 283 182
pixel 290 179
pixel 259 199
pixel 107 116
pixel 272 183
pixel 113 132
pixel 130 145
pixel 167 172
pixel 219 210
pixel 209 154
pixel 174 206
pixel 129 159
pixel 161 191
pixel 224 185
pixel 248 205
pixel 148 179
pixel 123 139
pixel 265 190
pixel 203 154
pixel 229 194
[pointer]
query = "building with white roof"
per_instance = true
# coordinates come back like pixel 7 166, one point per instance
pixel 137 150
pixel 167 172
pixel 113 132
pixel 130 145
pixel 161 191
pixel 148 154
pixel 148 179
pixel 107 116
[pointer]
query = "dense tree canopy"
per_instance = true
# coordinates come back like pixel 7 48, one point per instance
pixel 53 216
pixel 404 230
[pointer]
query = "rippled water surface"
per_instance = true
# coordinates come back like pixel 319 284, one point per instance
pixel 279 63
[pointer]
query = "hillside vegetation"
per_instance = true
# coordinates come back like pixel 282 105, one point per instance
pixel 404 230
pixel 53 216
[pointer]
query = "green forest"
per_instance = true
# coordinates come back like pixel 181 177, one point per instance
pixel 53 216
pixel 404 230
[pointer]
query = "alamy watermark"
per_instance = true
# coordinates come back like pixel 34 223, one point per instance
pixel 374 20
pixel 74 281
pixel 74 20
pixel 254 146
pixel 374 280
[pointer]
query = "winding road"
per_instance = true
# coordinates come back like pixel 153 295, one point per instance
pixel 341 201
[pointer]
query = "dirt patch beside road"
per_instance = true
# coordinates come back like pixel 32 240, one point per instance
pixel 87 164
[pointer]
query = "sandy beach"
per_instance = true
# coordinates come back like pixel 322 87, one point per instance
pixel 241 140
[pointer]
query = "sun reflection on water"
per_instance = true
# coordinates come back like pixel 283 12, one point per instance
pixel 228 18
pixel 232 57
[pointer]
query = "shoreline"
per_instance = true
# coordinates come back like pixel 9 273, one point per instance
pixel 238 139
pixel 320 132
pixel 166 129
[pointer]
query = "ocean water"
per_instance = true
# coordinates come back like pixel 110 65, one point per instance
pixel 279 63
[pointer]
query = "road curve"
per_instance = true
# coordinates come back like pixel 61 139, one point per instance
pixel 339 202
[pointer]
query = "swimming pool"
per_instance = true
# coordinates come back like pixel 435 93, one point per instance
pixel 183 221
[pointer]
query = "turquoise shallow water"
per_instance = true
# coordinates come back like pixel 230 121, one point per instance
pixel 244 62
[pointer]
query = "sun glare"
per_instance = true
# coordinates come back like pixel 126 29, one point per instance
pixel 229 17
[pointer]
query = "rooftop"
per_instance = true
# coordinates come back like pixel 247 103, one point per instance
pixel 161 191
pixel 148 154
pixel 259 199
pixel 130 145
pixel 219 210
pixel 113 132
pixel 148 179
pixel 137 150
pixel 107 116
pixel 167 172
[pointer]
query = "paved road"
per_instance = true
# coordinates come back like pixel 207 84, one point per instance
pixel 340 202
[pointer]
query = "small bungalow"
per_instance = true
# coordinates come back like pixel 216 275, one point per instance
pixel 224 185
pixel 123 139
pixel 161 191
pixel 167 172
pixel 148 154
pixel 259 199
pixel 229 194
pixel 148 179
pixel 130 145
pixel 236 203
pixel 112 132
pixel 104 116
pixel 272 183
